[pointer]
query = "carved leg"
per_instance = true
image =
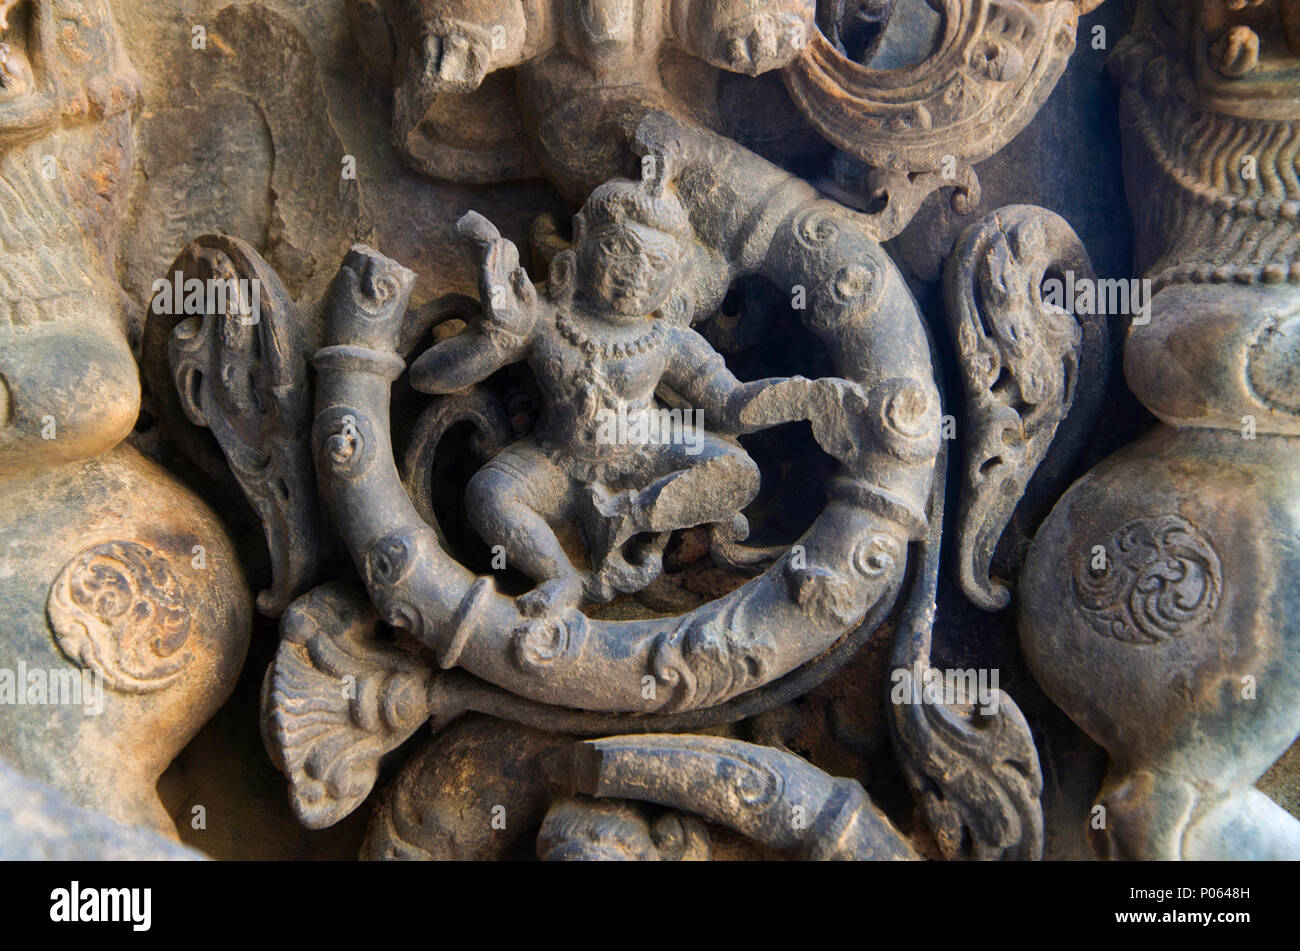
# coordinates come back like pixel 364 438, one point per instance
pixel 1157 603
pixel 511 502
pixel 707 482
pixel 711 486
pixel 693 488
pixel 132 618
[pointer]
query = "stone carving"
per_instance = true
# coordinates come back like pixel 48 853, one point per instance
pixel 753 789
pixel 581 65
pixel 600 344
pixel 65 151
pixel 541 646
pixel 916 129
pixel 118 609
pixel 261 417
pixel 701 437
pixel 1023 359
pixel 111 566
pixel 477 767
pixel 1155 578
pixel 888 432
pixel 986 66
pixel 117 578
pixel 972 767
pixel 340 704
pixel 1170 637
pixel 578 830
pixel 610 343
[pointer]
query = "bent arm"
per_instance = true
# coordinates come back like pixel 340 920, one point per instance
pixel 470 357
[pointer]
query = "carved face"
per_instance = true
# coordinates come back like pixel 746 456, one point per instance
pixel 628 269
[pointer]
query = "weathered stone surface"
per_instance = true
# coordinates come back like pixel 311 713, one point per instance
pixel 102 583
pixel 664 402
pixel 1158 602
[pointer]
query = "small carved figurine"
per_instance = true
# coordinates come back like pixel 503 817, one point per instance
pixel 605 451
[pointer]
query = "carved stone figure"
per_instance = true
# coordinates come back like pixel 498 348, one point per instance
pixel 585 68
pixel 603 339
pixel 610 345
pixel 561 657
pixel 68 385
pixel 589 70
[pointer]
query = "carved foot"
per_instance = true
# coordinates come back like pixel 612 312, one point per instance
pixel 454 63
pixel 615 519
pixel 758 43
pixel 553 597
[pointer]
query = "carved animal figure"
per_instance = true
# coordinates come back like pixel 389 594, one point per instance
pixel 1158 601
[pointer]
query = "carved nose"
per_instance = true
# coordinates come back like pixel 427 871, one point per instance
pixel 605 21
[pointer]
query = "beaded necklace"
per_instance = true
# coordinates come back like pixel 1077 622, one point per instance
pixel 591 347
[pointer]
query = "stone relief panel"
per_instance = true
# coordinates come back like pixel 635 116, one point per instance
pixel 650 430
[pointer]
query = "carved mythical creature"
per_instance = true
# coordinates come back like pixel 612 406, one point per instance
pixel 587 71
pixel 68 385
pixel 609 338
pixel 586 68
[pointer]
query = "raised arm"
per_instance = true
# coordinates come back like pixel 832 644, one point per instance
pixel 502 335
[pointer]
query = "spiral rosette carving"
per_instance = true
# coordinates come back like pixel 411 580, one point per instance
pixel 541 642
pixel 1157 578
pixel 710 656
pixel 118 609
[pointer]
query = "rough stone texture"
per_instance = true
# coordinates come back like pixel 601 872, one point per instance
pixel 829 226
pixel 1157 598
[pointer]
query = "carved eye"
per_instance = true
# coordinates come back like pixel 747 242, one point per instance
pixel 659 261
pixel 612 244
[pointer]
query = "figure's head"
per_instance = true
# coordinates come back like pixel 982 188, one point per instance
pixel 631 239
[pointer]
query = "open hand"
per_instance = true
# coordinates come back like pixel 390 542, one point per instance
pixel 509 298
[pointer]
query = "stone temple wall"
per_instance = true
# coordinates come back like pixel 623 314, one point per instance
pixel 649 429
